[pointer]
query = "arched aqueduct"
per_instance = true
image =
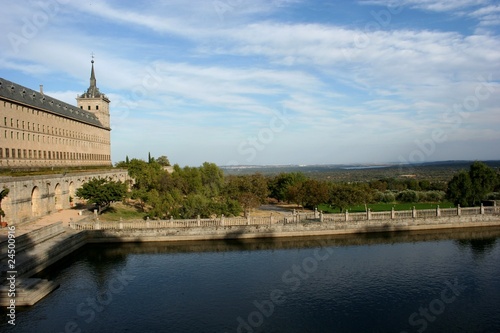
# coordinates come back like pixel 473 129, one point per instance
pixel 35 196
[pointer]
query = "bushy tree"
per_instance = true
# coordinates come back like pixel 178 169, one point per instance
pixel 280 184
pixel 249 190
pixel 469 188
pixel 163 161
pixel 102 192
pixel 409 196
pixel 345 195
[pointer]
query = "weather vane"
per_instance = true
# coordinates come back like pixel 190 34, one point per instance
pixel 92 54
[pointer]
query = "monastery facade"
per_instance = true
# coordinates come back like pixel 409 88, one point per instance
pixel 38 131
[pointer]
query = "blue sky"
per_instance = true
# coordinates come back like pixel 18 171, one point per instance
pixel 272 82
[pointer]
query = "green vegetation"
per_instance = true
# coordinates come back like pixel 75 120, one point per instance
pixel 383 207
pixel 205 191
pixel 470 188
pixel 120 211
pixel 102 192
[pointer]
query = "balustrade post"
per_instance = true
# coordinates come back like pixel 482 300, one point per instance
pixel 414 212
pixel 315 212
pixel 198 220
pixel 321 216
pixel 171 221
pixel 347 215
pixel 482 209
pixel 393 213
pixel 438 211
pixel 459 210
pixel 368 214
pixel 222 220
pixel 121 225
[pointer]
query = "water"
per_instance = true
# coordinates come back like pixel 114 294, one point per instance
pixel 432 282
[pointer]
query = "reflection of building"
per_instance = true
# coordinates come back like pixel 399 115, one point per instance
pixel 37 130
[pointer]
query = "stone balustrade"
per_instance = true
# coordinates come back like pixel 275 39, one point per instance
pixel 436 215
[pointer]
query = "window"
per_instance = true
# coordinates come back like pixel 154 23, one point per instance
pixel 7 150
pixel 19 153
pixel 97 107
pixel 1 152
pixel 88 107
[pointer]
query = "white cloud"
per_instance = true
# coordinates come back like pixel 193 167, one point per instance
pixel 184 79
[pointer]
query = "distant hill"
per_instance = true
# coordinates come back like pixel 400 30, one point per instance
pixel 438 170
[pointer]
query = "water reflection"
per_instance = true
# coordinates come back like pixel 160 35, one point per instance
pixel 350 283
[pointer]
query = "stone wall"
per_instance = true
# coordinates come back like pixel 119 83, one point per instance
pixel 35 196
pixel 278 229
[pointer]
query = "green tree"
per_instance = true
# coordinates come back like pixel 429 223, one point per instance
pixel 102 192
pixel 163 161
pixel 309 193
pixel 146 175
pixel 212 179
pixel 280 184
pixel 249 190
pixel 346 195
pixel 460 189
pixel 470 188
pixel 409 196
pixel 483 179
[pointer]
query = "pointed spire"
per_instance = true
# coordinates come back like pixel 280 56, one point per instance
pixel 92 75
pixel 92 91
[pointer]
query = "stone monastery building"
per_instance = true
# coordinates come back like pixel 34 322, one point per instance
pixel 38 131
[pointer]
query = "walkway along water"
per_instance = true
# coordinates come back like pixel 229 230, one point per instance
pixel 42 244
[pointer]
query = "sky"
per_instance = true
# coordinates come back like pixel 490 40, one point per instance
pixel 254 82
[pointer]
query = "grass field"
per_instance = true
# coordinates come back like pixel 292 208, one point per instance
pixel 119 210
pixel 380 207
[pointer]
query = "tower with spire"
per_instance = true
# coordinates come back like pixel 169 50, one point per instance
pixel 94 101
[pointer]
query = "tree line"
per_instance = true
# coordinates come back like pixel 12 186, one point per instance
pixel 205 191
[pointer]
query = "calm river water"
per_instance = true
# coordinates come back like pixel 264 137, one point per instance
pixel 430 282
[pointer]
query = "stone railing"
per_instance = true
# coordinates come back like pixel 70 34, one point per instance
pixel 294 217
pixel 184 223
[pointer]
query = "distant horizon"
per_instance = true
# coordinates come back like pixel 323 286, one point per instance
pixel 374 164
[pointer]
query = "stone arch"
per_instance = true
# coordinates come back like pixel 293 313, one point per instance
pixel 71 193
pixel 58 197
pixel 36 201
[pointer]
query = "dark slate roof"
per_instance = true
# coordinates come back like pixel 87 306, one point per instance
pixel 15 92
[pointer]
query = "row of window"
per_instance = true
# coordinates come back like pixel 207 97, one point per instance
pixel 31 126
pixel 12 153
pixel 48 139
pixel 51 130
